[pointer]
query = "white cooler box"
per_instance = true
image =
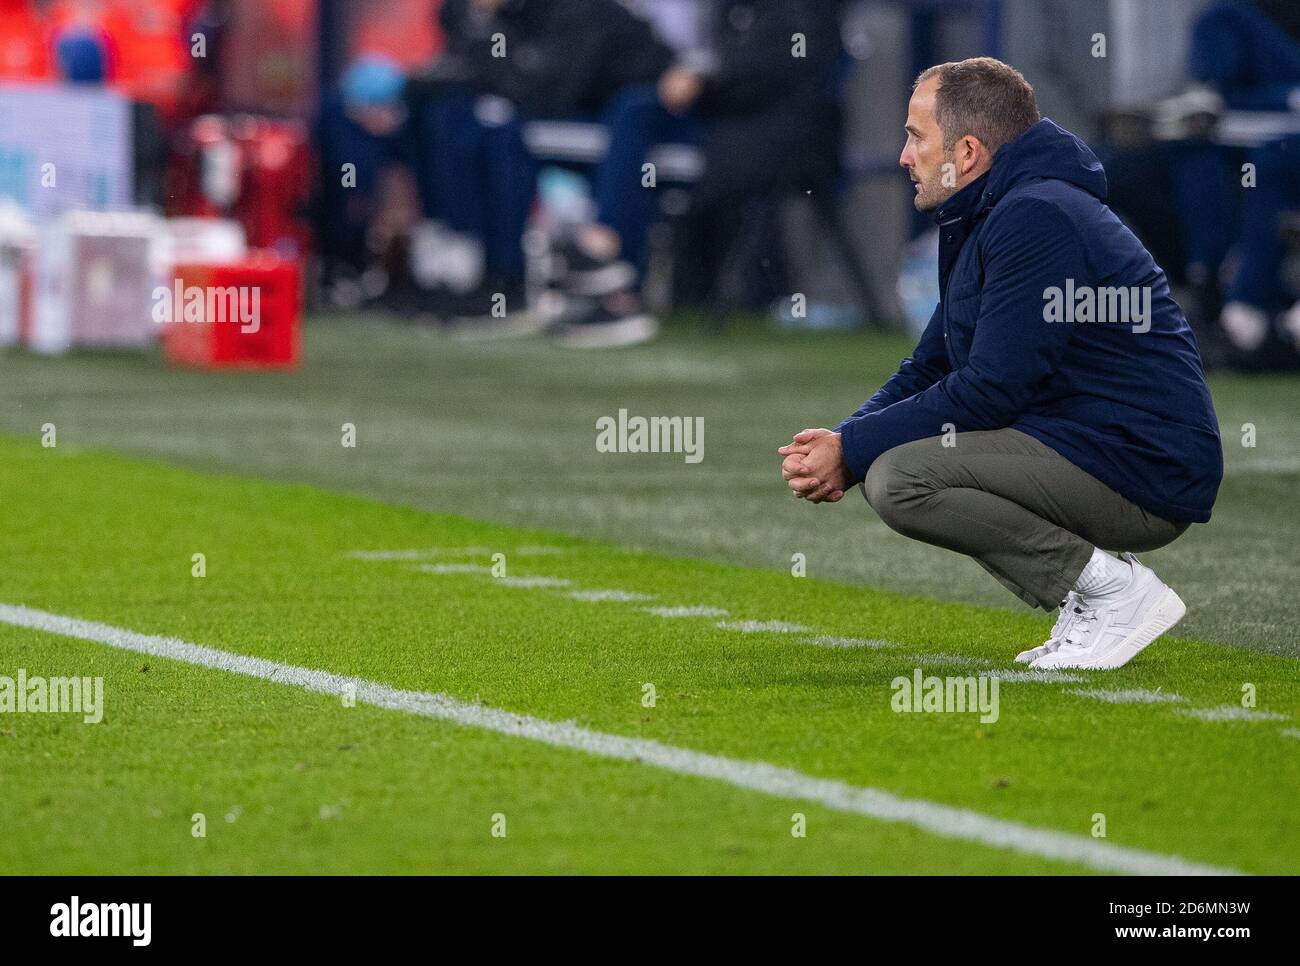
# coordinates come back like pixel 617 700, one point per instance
pixel 212 241
pixel 94 283
pixel 17 250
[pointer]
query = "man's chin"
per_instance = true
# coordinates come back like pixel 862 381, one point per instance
pixel 923 203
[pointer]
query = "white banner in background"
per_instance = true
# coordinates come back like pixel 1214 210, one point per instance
pixel 84 132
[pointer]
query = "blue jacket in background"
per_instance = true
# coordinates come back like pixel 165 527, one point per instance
pixel 1129 407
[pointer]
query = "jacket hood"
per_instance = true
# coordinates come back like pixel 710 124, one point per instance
pixel 1046 150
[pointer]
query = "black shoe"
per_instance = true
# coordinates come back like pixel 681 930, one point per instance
pixel 577 273
pixel 495 310
pixel 414 304
pixel 599 327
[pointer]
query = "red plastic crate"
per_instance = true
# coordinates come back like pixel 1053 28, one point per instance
pixel 217 342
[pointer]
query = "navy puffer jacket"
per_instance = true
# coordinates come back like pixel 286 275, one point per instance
pixel 1121 394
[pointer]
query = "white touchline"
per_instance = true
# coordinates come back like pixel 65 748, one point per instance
pixel 942 820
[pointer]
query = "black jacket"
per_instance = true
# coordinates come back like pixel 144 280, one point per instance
pixel 756 67
pixel 562 56
pixel 774 120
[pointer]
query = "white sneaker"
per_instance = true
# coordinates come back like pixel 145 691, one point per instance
pixel 1059 629
pixel 1291 323
pixel 1245 326
pixel 1108 632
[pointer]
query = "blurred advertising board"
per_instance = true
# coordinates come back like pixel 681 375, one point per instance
pixel 64 147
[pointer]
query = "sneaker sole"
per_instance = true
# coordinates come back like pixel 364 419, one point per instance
pixel 625 332
pixel 1167 612
pixel 1033 654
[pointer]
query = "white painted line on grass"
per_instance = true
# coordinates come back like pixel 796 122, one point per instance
pixel 1291 732
pixel 533 581
pixel 828 640
pixel 1230 712
pixel 418 554
pixel 1038 677
pixel 426 553
pixel 764 627
pixel 949 660
pixel 687 611
pixel 942 820
pixel 1264 466
pixel 453 568
pixel 1127 696
pixel 597 596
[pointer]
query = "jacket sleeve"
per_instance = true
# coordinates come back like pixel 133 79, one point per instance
pixel 563 64
pixel 1027 249
pixel 922 369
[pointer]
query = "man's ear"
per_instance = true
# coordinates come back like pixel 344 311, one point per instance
pixel 971 154
pixel 967 154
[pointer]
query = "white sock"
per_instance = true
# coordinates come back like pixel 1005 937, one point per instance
pixel 1103 575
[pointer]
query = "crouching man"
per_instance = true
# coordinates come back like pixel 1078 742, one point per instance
pixel 1055 407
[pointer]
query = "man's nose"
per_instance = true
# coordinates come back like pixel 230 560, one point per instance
pixel 905 160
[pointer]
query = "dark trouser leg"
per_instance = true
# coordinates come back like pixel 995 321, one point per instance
pixel 634 119
pixel 1027 514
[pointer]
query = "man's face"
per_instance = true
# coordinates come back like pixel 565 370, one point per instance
pixel 923 154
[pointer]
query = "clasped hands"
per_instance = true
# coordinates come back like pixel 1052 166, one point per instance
pixel 813 466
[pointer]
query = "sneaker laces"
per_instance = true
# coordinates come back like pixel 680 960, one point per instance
pixel 1070 608
pixel 1065 618
pixel 1076 635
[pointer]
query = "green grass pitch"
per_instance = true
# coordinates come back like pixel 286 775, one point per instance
pixel 293 781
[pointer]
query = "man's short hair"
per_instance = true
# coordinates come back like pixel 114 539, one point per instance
pixel 982 97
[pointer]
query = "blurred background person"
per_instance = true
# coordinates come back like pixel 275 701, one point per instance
pixel 1207 177
pixel 512 62
pixel 361 132
pixel 769 103
pixel 583 166
pixel 1249 51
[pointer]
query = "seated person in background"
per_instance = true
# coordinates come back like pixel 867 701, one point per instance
pixel 588 60
pixel 1249 51
pixel 361 131
pixel 771 118
pixel 81 53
